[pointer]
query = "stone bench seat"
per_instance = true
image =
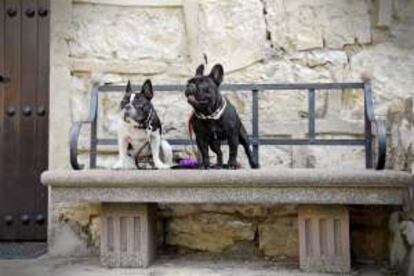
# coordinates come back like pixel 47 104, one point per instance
pixel 299 186
pixel 129 200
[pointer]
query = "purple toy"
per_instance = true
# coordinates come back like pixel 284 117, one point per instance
pixel 188 163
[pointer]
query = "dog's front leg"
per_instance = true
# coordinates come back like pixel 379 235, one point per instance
pixel 124 161
pixel 203 148
pixel 215 147
pixel 233 146
pixel 155 142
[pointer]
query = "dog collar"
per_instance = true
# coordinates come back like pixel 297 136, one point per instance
pixel 147 123
pixel 215 115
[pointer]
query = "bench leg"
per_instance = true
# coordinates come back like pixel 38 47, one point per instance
pixel 128 234
pixel 324 238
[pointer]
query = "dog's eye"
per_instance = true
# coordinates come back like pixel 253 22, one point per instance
pixel 140 105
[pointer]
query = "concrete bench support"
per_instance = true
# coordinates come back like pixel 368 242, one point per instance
pixel 324 238
pixel 128 234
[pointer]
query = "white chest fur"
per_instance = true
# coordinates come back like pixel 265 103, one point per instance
pixel 132 134
pixel 129 133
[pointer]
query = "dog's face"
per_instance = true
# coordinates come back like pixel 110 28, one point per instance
pixel 202 91
pixel 137 107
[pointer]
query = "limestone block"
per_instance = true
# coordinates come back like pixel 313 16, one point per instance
pixel 232 32
pixel 398 7
pixel 150 67
pixel 73 230
pixel 391 69
pixel 282 210
pixel 65 242
pixel 345 157
pixel 278 237
pixel 304 25
pixel 344 23
pixel 319 57
pixel 178 210
pixel 400 118
pixel 390 64
pixel 403 31
pixel 208 232
pixel 269 70
pixel 313 66
pixel 274 156
pixel 408 232
pixel 350 106
pixel 397 248
pixel 273 104
pixel 384 13
pixel 81 85
pixel 244 210
pixel 127 33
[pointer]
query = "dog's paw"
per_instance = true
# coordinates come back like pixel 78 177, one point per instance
pixel 124 165
pixel 162 166
pixel 217 166
pixel 118 165
pixel 233 165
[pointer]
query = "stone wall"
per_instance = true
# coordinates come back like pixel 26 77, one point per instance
pixel 256 41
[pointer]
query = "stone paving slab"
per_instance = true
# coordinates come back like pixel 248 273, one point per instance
pixel 165 266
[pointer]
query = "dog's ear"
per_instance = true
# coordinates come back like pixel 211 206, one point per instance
pixel 217 73
pixel 200 70
pixel 146 89
pixel 128 89
pixel 127 95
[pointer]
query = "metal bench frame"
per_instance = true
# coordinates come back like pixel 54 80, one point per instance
pixel 256 141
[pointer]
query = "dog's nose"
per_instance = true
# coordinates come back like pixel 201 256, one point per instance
pixel 127 107
pixel 191 88
pixel 191 99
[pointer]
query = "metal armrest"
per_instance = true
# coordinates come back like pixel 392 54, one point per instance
pixel 76 128
pixel 379 129
pixel 74 139
pixel 381 135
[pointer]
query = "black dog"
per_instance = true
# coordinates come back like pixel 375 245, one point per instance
pixel 215 119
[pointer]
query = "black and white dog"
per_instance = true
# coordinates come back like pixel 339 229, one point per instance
pixel 215 119
pixel 139 124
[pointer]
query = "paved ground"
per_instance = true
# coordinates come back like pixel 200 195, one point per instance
pixel 177 266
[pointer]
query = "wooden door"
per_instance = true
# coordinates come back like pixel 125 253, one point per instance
pixel 24 102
